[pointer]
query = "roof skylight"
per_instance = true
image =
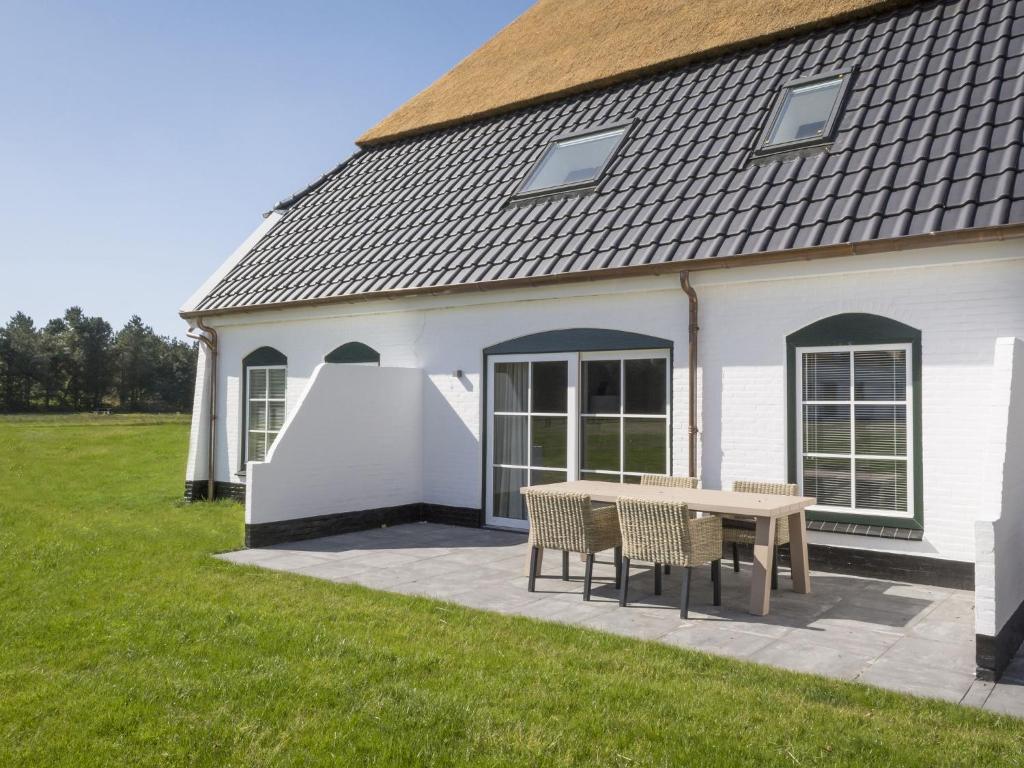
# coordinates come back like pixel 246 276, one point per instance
pixel 804 114
pixel 571 162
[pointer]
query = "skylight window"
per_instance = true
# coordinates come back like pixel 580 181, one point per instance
pixel 805 113
pixel 572 162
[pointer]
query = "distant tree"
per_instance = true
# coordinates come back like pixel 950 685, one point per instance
pixel 19 352
pixel 137 352
pixel 54 362
pixel 91 340
pixel 176 377
pixel 77 362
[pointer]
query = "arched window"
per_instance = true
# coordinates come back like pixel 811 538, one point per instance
pixel 854 383
pixel 264 388
pixel 354 352
pixel 573 403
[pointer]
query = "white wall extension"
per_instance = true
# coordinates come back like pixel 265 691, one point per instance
pixel 352 442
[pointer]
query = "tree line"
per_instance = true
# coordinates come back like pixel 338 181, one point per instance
pixel 79 363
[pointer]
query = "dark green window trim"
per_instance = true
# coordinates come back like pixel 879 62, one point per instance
pixel 258 357
pixel 577 340
pixel 353 352
pixel 855 329
pixel 567 340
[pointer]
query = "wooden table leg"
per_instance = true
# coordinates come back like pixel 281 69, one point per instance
pixel 799 564
pixel 761 583
pixel 540 561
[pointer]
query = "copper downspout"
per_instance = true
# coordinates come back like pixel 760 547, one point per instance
pixel 684 282
pixel 208 338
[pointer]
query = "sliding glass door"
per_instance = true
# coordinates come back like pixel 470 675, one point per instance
pixel 542 428
pixel 531 435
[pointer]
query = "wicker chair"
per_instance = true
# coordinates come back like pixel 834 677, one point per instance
pixel 670 481
pixel 665 532
pixel 568 522
pixel 736 531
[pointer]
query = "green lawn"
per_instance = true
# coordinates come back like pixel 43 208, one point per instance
pixel 123 642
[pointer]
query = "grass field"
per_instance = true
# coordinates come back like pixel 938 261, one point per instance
pixel 122 642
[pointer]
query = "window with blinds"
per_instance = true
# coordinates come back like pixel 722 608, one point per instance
pixel 265 408
pixel 854 428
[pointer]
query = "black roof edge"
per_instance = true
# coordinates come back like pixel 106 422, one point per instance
pixel 288 202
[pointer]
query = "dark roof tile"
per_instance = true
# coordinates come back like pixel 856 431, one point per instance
pixel 930 139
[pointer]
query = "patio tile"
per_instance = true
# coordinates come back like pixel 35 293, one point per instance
pixel 801 653
pixel 896 635
pixel 1007 698
pixel 978 693
pixel 718 640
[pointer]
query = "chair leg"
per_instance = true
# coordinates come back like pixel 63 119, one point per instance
pixel 623 596
pixel 657 578
pixel 565 565
pixel 736 557
pixel 618 566
pixel 775 567
pixel 587 575
pixel 668 569
pixel 533 569
pixel 684 600
pixel 716 577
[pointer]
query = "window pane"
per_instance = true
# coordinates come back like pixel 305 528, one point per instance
pixel 549 440
pixel 278 380
pixel 257 415
pixel 881 430
pixel 510 440
pixel 507 501
pixel 828 480
pixel 827 429
pixel 644 445
pixel 275 416
pixel 257 383
pixel 826 375
pixel 257 446
pixel 601 384
pixel 805 110
pixel 880 375
pixel 601 477
pixel 882 484
pixel 510 386
pixel 550 387
pixel 573 161
pixel 645 386
pixel 546 476
pixel 600 443
pixel 271 437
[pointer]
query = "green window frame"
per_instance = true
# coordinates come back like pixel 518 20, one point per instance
pixel 850 335
pixel 264 402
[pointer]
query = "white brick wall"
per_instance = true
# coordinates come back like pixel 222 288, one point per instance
pixel 960 298
pixel 999 539
pixel 353 443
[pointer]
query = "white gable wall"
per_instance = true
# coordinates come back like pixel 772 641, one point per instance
pixel 961 299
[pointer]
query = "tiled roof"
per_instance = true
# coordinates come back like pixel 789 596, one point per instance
pixel 930 140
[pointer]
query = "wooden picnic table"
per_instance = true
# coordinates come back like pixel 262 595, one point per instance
pixel 763 508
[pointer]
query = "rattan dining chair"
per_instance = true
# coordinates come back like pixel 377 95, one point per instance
pixel 568 521
pixel 669 481
pixel 663 532
pixel 736 531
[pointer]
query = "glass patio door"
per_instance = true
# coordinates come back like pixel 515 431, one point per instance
pixel 531 434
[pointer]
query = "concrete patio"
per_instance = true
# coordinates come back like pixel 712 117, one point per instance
pixel 905 637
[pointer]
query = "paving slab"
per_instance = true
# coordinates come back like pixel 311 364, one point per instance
pixel 904 637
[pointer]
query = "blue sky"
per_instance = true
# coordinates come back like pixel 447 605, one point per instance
pixel 141 142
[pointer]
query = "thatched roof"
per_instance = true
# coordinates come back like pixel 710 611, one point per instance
pixel 559 47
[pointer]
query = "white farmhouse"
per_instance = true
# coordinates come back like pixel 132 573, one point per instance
pixel 612 243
